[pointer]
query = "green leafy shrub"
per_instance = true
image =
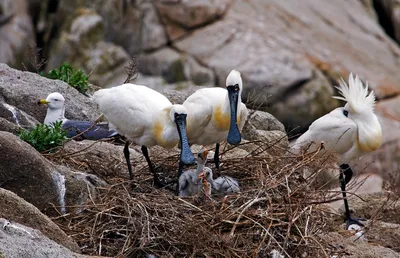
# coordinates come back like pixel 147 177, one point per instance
pixel 44 137
pixel 74 77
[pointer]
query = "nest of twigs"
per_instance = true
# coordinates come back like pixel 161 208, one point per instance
pixel 275 210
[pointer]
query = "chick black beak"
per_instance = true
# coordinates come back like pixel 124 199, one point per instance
pixel 234 136
pixel 186 154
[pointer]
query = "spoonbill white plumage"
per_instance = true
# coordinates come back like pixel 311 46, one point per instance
pixel 214 114
pixel 351 131
pixel 147 118
pixel 189 183
pixel 56 112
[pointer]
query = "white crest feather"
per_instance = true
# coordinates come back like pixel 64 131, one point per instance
pixel 355 94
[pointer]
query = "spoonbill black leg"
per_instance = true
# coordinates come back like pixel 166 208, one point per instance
pixel 216 156
pixel 128 162
pixel 157 181
pixel 346 173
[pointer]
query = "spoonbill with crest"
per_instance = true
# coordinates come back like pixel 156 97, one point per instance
pixel 55 112
pixel 147 118
pixel 214 114
pixel 350 131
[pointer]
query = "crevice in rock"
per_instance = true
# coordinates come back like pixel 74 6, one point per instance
pixel 384 18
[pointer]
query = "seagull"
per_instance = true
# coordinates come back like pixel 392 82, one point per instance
pixel 350 131
pixel 55 112
pixel 147 118
pixel 189 183
pixel 214 114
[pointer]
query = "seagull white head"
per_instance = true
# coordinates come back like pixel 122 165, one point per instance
pixel 360 108
pixel 54 101
pixel 55 107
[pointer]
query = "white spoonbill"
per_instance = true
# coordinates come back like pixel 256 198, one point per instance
pixel 56 112
pixel 214 114
pixel 147 118
pixel 189 183
pixel 351 131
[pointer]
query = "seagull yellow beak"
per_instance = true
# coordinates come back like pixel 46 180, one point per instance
pixel 42 101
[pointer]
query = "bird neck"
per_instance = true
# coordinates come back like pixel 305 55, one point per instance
pixel 369 132
pixel 165 131
pixel 54 115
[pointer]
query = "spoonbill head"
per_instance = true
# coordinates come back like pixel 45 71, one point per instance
pixel 217 114
pixel 88 130
pixel 350 131
pixel 147 118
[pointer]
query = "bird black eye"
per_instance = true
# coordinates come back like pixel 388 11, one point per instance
pixel 345 113
pixel 236 87
pixel 55 99
pixel 176 115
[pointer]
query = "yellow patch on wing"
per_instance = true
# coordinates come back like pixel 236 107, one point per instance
pixel 371 144
pixel 158 130
pixel 221 120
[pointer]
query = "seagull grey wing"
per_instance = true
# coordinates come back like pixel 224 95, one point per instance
pixel 99 131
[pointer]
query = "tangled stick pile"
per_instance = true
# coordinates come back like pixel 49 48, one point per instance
pixel 276 209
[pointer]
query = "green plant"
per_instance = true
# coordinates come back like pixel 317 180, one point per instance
pixel 73 76
pixel 44 137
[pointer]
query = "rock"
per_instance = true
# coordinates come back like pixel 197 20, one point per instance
pixel 102 158
pixel 8 126
pixel 134 25
pixel 384 234
pixel 373 204
pixel 266 143
pixel 81 44
pixel 152 31
pixel 259 122
pixel 389 12
pixel 307 103
pixel 165 62
pixel 341 243
pixel 174 67
pixel 198 74
pixel 16 32
pixel 25 172
pixel 278 45
pixel 17 117
pixel 18 210
pixel 80 187
pixel 23 89
pixel 386 159
pixel 17 240
pixel 362 185
pixel 190 14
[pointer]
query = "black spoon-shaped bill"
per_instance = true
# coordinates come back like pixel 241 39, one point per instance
pixel 234 136
pixel 187 157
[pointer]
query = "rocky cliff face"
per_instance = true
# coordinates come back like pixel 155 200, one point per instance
pixel 290 53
